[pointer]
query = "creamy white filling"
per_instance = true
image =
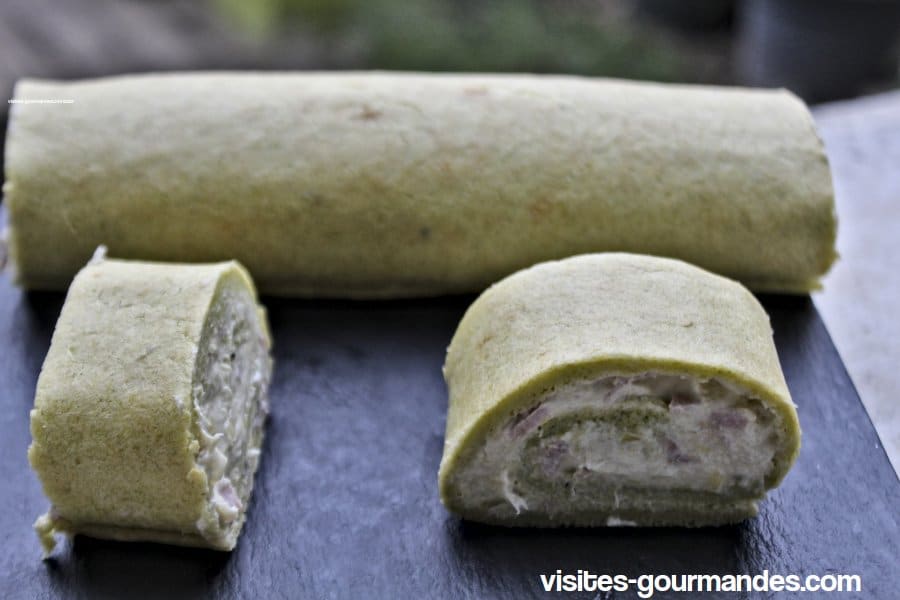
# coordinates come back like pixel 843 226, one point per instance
pixel 613 521
pixel 229 400
pixel 226 501
pixel 516 501
pixel 585 441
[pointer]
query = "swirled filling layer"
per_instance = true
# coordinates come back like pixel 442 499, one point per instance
pixel 586 444
pixel 230 402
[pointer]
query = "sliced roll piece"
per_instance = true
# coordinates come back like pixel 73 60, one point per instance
pixel 150 406
pixel 614 389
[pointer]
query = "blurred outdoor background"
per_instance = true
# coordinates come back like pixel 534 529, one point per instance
pixel 821 49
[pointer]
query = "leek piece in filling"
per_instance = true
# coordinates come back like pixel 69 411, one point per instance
pixel 150 406
pixel 615 389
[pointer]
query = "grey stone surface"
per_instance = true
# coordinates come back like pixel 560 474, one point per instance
pixel 860 302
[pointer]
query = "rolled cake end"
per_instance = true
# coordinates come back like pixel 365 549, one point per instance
pixel 150 406
pixel 611 390
pixel 614 448
pixel 230 406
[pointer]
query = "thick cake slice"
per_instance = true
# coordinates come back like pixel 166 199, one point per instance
pixel 150 406
pixel 615 389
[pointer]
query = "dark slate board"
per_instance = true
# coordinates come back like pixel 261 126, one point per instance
pixel 346 500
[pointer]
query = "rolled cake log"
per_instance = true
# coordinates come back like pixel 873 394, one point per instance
pixel 614 389
pixel 150 406
pixel 380 185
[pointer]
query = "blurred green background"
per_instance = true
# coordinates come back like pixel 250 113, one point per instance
pixel 821 49
pixel 562 36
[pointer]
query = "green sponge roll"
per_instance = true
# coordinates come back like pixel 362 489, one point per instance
pixel 614 389
pixel 375 185
pixel 150 407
